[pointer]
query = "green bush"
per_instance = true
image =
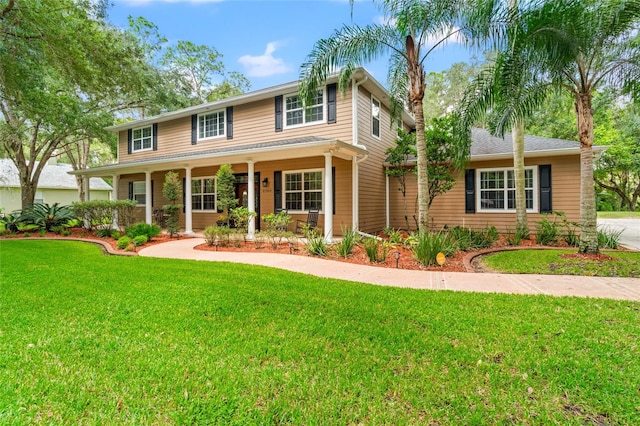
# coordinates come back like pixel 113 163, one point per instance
pixel 219 234
pixel 377 250
pixel 429 244
pixel 609 238
pixel 115 234
pixel 123 242
pixel 101 212
pixel 140 240
pixel 47 216
pixel 141 228
pixel 547 231
pixel 350 239
pixel 515 238
pixel 394 236
pixel 316 244
pixel 277 221
pixel 12 221
pixel 65 232
pixel 241 217
pixel 467 238
pixel 103 232
pixel 42 232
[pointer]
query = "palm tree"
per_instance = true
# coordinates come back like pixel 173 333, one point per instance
pixel 405 35
pixel 574 45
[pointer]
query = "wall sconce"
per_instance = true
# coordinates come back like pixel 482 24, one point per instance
pixel 265 182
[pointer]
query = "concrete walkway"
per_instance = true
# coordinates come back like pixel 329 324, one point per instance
pixel 555 285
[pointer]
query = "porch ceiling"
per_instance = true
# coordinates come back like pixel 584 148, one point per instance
pixel 268 151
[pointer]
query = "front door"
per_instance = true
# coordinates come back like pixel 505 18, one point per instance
pixel 242 193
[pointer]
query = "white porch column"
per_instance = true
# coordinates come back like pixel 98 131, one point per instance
pixel 188 212
pixel 115 181
pixel 328 199
pixel 148 217
pixel 252 198
pixel 87 188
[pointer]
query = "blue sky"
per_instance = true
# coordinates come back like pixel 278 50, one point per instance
pixel 265 40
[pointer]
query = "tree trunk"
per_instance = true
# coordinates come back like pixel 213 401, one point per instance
pixel 416 96
pixel 588 215
pixel 517 136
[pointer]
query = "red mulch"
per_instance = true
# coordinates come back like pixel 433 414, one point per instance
pixel 359 256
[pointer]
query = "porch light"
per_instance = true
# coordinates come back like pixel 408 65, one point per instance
pixel 265 182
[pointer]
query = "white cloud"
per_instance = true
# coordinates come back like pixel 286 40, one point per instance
pixel 266 64
pixel 452 33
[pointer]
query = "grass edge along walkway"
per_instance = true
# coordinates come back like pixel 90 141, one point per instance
pixel 89 338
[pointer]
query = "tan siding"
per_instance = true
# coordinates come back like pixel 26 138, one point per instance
pixel 371 172
pixel 449 209
pixel 252 123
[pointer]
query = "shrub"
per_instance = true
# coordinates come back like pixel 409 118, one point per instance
pixel 172 191
pixel 259 239
pixel 467 238
pixel 27 234
pixel 12 221
pixel 103 232
pixel 47 216
pixel 141 228
pixel 115 234
pixel 277 221
pixel 140 240
pixel 394 236
pixel 429 244
pixel 350 239
pixel 42 232
pixel 241 217
pixel 377 250
pixel 315 244
pixel 547 232
pixel 214 233
pixel 65 232
pixel 516 237
pixel 101 212
pixel 123 242
pixel 609 238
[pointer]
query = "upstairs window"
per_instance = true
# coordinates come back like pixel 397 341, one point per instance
pixel 375 117
pixel 211 125
pixel 498 193
pixel 141 139
pixel 303 190
pixel 298 114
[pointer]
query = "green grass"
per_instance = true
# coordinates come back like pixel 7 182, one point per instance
pixel 624 264
pixel 92 339
pixel 619 215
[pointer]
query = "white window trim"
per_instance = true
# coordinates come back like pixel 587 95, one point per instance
pixel 304 122
pixel 215 188
pixel 133 193
pixel 284 191
pixel 535 188
pixel 133 150
pixel 379 118
pixel 224 125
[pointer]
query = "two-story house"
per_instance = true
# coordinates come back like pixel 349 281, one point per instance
pixel 328 155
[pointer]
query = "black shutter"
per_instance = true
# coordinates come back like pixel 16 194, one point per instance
pixel 277 191
pixel 129 140
pixel 230 122
pixel 470 191
pixel 152 193
pixel 155 136
pixel 184 195
pixel 194 129
pixel 131 190
pixel 333 189
pixel 331 103
pixel 279 113
pixel 545 188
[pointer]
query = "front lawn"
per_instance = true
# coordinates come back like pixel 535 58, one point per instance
pixel 565 262
pixel 619 215
pixel 92 339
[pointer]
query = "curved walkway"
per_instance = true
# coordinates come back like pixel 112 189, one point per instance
pixel 555 285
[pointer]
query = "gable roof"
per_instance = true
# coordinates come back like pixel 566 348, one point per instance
pixel 360 75
pixel 485 146
pixel 53 176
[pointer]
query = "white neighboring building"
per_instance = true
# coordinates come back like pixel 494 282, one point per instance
pixel 55 185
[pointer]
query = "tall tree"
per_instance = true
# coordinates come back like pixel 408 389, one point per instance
pixel 575 46
pixel 405 35
pixel 69 60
